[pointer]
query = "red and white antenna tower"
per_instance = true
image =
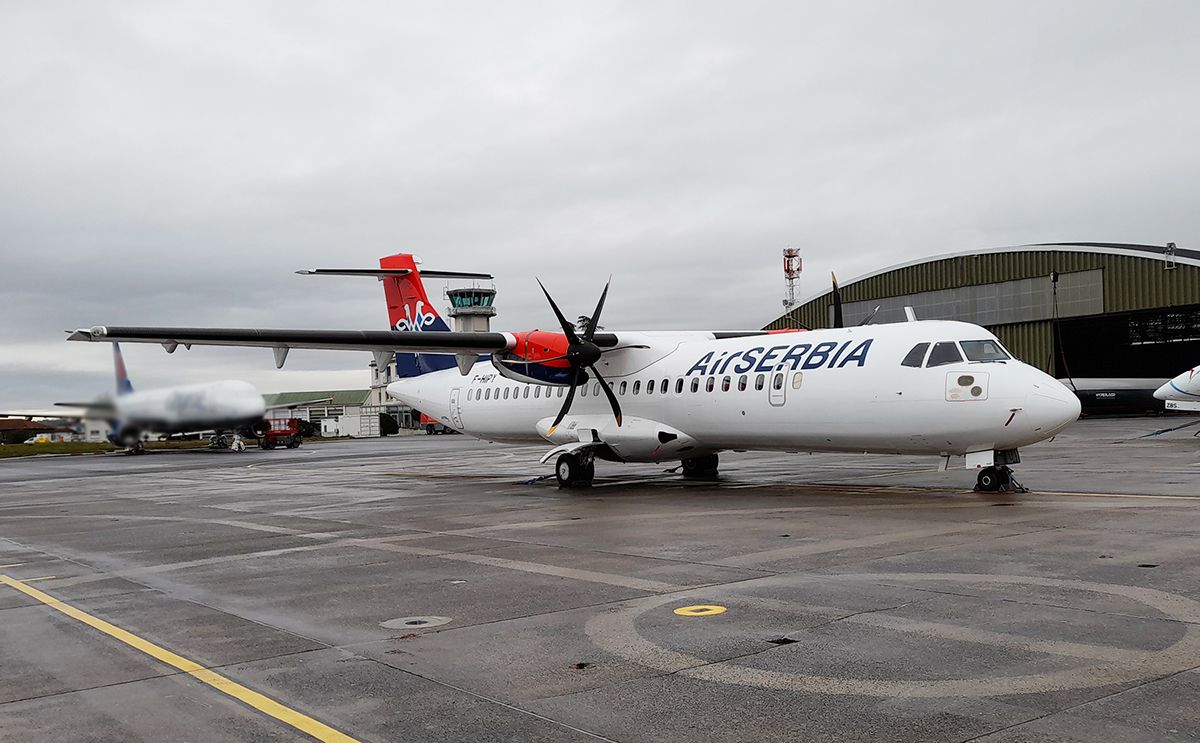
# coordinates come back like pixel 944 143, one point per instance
pixel 792 267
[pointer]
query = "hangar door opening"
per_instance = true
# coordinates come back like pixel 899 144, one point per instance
pixel 1152 344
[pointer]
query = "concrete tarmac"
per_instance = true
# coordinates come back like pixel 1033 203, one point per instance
pixel 421 589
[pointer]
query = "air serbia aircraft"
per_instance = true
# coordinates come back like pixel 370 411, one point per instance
pixel 1182 392
pixel 228 405
pixel 924 387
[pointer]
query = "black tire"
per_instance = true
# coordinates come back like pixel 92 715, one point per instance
pixel 569 471
pixel 705 467
pixel 429 429
pixel 294 443
pixel 588 473
pixel 990 479
pixel 268 445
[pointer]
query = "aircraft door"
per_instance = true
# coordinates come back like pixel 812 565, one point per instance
pixel 777 385
pixel 455 408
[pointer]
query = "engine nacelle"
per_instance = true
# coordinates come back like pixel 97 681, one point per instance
pixel 536 357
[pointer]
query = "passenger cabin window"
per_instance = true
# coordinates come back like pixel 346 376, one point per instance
pixel 624 386
pixel 696 384
pixel 777 382
pixel 596 389
pixel 679 386
pixel 637 386
pixel 760 381
pixel 505 393
pixel 725 384
pixel 945 352
pixel 797 380
pixel 988 350
pixel 663 387
pixel 742 381
pixel 526 393
pixel 708 386
pixel 916 355
pixel 650 387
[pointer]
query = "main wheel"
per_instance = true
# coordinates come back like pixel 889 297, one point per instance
pixel 268 445
pixel 700 467
pixel 294 443
pixel 991 479
pixel 571 473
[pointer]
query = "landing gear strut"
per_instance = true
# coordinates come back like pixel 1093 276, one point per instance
pixel 575 470
pixel 701 467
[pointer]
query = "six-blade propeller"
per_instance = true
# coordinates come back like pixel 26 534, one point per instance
pixel 582 353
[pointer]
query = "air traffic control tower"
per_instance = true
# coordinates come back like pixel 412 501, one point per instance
pixel 471 308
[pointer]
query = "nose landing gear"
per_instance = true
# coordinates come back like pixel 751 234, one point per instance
pixel 997 479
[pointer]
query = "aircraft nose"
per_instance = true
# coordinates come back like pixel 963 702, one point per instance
pixel 1052 406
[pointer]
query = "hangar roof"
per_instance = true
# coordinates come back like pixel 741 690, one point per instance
pixel 1133 277
pixel 340 398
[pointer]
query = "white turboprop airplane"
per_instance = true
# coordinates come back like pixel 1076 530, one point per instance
pixel 1182 392
pixel 228 405
pixel 923 387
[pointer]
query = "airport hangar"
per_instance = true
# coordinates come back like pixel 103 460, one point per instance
pixel 1116 310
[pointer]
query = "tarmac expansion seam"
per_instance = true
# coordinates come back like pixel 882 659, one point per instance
pixel 1078 705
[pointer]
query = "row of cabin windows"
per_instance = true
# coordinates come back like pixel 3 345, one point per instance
pixel 650 387
pixel 950 352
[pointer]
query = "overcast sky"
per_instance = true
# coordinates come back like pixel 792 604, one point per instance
pixel 174 163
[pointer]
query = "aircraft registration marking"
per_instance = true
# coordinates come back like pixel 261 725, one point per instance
pixel 264 704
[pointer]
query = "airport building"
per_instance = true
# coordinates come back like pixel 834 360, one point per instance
pixel 1072 309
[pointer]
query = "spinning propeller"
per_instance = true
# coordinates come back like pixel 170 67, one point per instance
pixel 582 354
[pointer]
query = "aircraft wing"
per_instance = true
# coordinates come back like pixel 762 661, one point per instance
pixel 337 340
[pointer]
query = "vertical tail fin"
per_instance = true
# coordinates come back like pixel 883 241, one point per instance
pixel 124 387
pixel 409 308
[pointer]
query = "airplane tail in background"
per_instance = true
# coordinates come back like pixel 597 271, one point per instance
pixel 409 308
pixel 124 387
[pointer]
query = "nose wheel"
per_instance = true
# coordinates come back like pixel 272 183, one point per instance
pixel 997 479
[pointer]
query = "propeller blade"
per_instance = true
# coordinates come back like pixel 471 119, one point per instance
pixel 612 399
pixel 567 327
pixel 870 317
pixel 566 408
pixel 591 331
pixel 837 304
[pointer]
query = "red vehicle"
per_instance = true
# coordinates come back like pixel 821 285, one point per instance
pixel 281 432
pixel 432 425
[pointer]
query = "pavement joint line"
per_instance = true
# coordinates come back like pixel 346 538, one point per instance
pixel 253 699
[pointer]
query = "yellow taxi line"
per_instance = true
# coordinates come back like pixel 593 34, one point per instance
pixel 264 704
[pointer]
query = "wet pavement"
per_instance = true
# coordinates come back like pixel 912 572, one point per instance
pixel 422 589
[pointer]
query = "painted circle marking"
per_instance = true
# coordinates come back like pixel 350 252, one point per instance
pixel 701 610
pixel 616 633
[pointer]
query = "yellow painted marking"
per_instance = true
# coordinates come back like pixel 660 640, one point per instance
pixel 703 610
pixel 43 577
pixel 264 704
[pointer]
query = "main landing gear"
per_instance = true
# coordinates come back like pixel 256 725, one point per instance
pixel 701 468
pixel 575 470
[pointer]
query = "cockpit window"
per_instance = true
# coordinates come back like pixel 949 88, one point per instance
pixel 988 350
pixel 945 352
pixel 916 355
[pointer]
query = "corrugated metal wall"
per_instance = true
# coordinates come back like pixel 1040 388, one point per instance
pixel 1130 283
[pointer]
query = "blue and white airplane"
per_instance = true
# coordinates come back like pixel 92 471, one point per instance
pixel 939 388
pixel 228 405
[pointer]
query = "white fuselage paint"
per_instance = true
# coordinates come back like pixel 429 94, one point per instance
pixel 1183 388
pixel 192 407
pixel 869 404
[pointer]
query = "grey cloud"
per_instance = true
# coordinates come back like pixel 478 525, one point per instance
pixel 172 164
